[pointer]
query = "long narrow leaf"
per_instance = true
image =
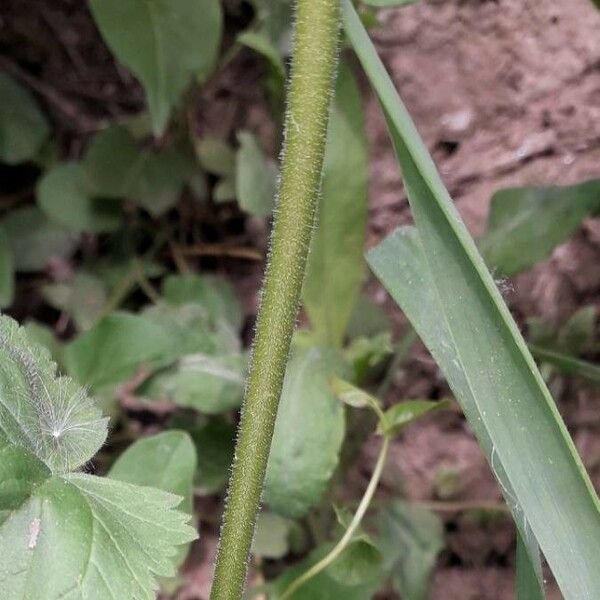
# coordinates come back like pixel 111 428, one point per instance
pixel 399 262
pixel 527 435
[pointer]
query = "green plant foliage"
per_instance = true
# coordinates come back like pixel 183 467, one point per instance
pixel 271 536
pixel 368 355
pixel 482 354
pixel 214 443
pixel 567 363
pixel 63 532
pixel 7 274
pixel 215 156
pixel 525 224
pixel 83 297
pixel 164 43
pixel 255 178
pixel 209 384
pixel 335 269
pixel 117 348
pixel 23 128
pixel 63 194
pixel 49 417
pixel 308 435
pixel 410 539
pixel 193 329
pixel 43 336
pixel 117 166
pixel 215 294
pixel 405 412
pixel 34 241
pixel 323 586
pixel 166 461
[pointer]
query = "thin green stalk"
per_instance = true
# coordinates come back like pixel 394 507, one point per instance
pixel 313 73
pixel 349 534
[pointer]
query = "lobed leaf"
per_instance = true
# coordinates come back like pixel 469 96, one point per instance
pixel 51 417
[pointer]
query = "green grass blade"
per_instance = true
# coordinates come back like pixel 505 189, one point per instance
pixel 525 430
pixel 528 573
pixel 567 364
pixel 399 262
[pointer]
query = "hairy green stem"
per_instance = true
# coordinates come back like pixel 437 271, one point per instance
pixel 349 533
pixel 313 70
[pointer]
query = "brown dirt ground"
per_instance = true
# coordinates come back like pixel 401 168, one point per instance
pixel 505 92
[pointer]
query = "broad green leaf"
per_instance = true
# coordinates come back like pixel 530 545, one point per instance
pixel 116 348
pixel 7 274
pixel 117 166
pixel 215 444
pixel 451 298
pixel 215 156
pixel 35 241
pixel 410 539
pixel 336 270
pixel 323 586
pixel 271 535
pixel 192 329
pixel 49 416
pixel 83 298
pixel 255 178
pixel 224 191
pixel 80 536
pixel 163 42
pixel 405 412
pixel 308 435
pixel 23 128
pixel 361 562
pixel 64 195
pixel 209 384
pixel 525 224
pixel 216 294
pixel 166 461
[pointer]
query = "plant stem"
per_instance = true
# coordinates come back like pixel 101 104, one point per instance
pixel 312 77
pixel 347 537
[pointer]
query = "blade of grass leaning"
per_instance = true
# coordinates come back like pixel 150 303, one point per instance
pixel 567 364
pixel 528 575
pixel 527 434
pixel 399 262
